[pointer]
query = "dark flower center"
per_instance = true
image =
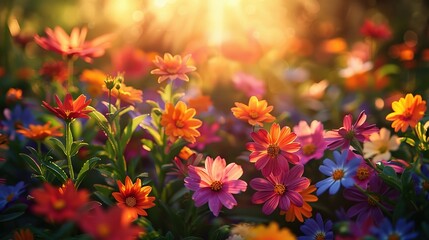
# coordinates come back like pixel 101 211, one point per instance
pixel 393 236
pixel 362 173
pixel 273 150
pixel 319 236
pixel 180 124
pixel 280 189
pixel 216 186
pixel 309 149
pixel 59 204
pixel 373 200
pixel 338 174
pixel 131 201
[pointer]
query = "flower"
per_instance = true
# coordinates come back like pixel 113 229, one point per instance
pixel 10 193
pixel 133 61
pixel 376 31
pixel 200 103
pixel 16 119
pixel 340 172
pixel 178 121
pixel 215 184
pixel 172 67
pixel 94 79
pixel 312 140
pixel 380 144
pixel 112 224
pixel 13 95
pixel 402 230
pixel 407 112
pixel 295 212
pixel 134 197
pixel 72 46
pixel 315 229
pixel 367 208
pixel 128 94
pixel 272 231
pixel 208 134
pixel 71 109
pixel 23 234
pixel 54 71
pixel 272 151
pixel 347 133
pixel 59 204
pixel 180 169
pixel 248 84
pixel 363 173
pixel 40 132
pixel 282 190
pixel 256 113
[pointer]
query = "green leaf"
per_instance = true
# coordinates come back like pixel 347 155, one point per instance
pixel 99 118
pixel 88 165
pixel 32 163
pixel 389 176
pixel 13 212
pixel 56 171
pixel 129 129
pixel 59 144
pixel 388 69
pixel 104 198
pixel 176 147
pixel 153 132
pixel 76 145
pixel 221 233
pixel 153 104
pixel 104 189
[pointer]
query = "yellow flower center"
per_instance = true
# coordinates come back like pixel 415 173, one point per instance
pixel 280 189
pixel 59 204
pixel 373 200
pixel 216 186
pixel 103 230
pixel 382 149
pixel 130 201
pixel 319 236
pixel 309 149
pixel 253 114
pixel 393 236
pixel 273 150
pixel 338 174
pixel 9 197
pixel 362 173
pixel 180 124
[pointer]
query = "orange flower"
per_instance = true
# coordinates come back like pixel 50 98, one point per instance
pixel 179 122
pixel 59 204
pixel 172 67
pixel 40 132
pixel 128 94
pixel 95 80
pixel 70 109
pixel 134 197
pixel 200 103
pixel 13 95
pixel 74 45
pixel 23 234
pixel 256 113
pixel 113 224
pixel 295 212
pixel 408 111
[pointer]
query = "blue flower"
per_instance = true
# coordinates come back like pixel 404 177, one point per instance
pixel 316 229
pixel 18 117
pixel 402 230
pixel 10 193
pixel 340 172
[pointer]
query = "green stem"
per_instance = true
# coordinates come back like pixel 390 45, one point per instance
pixel 358 147
pixel 70 65
pixel 110 105
pixel 69 142
pixel 375 200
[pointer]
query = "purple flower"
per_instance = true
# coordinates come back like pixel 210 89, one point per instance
pixel 312 141
pixel 340 172
pixel 316 229
pixel 10 193
pixel 402 230
pixel 368 207
pixel 17 118
pixel 343 136
pixel 208 135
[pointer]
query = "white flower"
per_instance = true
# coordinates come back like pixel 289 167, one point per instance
pixel 355 66
pixel 380 144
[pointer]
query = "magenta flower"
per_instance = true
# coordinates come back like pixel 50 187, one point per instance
pixel 208 135
pixel 281 190
pixel 343 136
pixel 215 184
pixel 363 174
pixel 312 140
pixel 249 85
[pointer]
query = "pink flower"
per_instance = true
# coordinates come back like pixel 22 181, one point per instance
pixel 74 45
pixel 133 61
pixel 208 135
pixel 172 68
pixel 281 190
pixel 312 140
pixel 215 184
pixel 272 152
pixel 343 136
pixel 371 29
pixel 249 85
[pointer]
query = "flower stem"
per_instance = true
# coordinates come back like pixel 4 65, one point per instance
pixel 70 67
pixel 69 142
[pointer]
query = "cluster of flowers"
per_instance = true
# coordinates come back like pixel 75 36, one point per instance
pixel 358 159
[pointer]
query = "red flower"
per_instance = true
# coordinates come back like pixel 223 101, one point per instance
pixel 380 31
pixel 74 45
pixel 71 109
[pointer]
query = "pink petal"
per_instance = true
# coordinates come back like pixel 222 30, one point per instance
pixel 261 197
pixel 215 205
pixel 271 205
pixel 227 199
pixel 260 184
pixel 235 186
pixel 232 172
pixel 202 195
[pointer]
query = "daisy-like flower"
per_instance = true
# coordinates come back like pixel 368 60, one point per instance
pixel 110 224
pixel 13 95
pixel 340 172
pixel 363 174
pixel 23 234
pixel 71 109
pixel 315 229
pixel 367 207
pixel 343 136
pixel 208 135
pixel 215 184
pixel 59 204
pixel 272 151
pixel 295 212
pixel 73 46
pixel 10 193
pixel 256 113
pixel 94 79
pixel 201 103
pixel 312 140
pixel 172 68
pixel 134 197
pixel 407 112
pixel 15 119
pixel 54 71
pixel 402 230
pixel 179 121
pixel 379 145
pixel 282 190
pixel 272 230
pixel 127 94
pixel 40 132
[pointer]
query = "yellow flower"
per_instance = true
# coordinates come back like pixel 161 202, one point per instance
pixel 256 113
pixel 271 232
pixel 408 111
